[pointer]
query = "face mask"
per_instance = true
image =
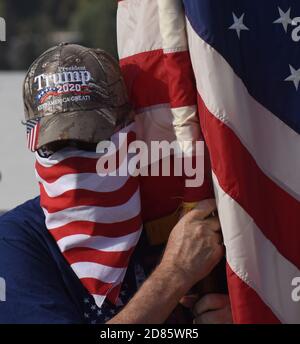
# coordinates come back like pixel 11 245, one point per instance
pixel 95 220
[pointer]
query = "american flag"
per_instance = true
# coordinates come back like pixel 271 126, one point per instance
pixel 158 73
pixel 245 59
pixel 95 220
pixel 92 314
pixel 45 93
pixel 32 130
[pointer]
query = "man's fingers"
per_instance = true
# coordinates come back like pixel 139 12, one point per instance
pixel 204 209
pixel 189 301
pixel 213 309
pixel 213 223
pixel 221 316
pixel 211 302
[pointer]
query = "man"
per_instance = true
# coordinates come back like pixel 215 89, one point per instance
pixel 75 97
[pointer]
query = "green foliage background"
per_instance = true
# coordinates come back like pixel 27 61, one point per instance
pixel 30 24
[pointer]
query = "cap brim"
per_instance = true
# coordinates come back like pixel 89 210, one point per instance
pixel 86 126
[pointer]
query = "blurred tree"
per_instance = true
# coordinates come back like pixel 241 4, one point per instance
pixel 2 8
pixel 60 12
pixel 30 25
pixel 96 21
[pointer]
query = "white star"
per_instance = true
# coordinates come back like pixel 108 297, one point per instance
pixel 284 19
pixel 93 307
pixel 86 300
pixel 99 312
pixel 86 315
pixel 112 312
pixel 238 24
pixel 294 77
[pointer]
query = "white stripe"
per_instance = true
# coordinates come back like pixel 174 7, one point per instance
pixel 172 25
pixel 255 260
pixel 86 181
pixel 274 146
pixel 186 124
pixel 31 139
pixel 161 123
pixel 138 27
pixel 99 299
pixel 115 214
pixel 155 123
pixel 101 243
pixel 98 271
pixel 34 136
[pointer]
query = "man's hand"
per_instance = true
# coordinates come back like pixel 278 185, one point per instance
pixel 195 244
pixel 193 250
pixel 213 309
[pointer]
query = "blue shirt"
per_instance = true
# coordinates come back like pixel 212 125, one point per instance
pixel 40 285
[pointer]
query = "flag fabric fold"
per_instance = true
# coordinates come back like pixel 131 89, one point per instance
pixel 245 60
pixel 158 73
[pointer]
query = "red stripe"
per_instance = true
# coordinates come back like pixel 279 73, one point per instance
pixel 98 287
pixel 110 230
pixel 95 286
pixel 159 204
pixel 82 197
pixel 114 294
pixel 274 211
pixel 246 305
pixel 67 166
pixel 181 79
pixel 111 259
pixel 154 78
pixel 205 191
pixel 71 165
pixel 146 78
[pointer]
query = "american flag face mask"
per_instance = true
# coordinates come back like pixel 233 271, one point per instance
pixel 95 220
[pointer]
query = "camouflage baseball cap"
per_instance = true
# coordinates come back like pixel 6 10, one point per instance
pixel 74 93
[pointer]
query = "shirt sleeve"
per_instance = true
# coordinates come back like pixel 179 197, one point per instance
pixel 32 290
